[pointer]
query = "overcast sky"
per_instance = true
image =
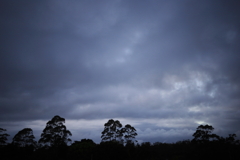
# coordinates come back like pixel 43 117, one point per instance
pixel 162 66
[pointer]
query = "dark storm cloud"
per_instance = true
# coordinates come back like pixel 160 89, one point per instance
pixel 175 62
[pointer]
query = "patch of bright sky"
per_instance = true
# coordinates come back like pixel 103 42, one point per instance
pixel 194 109
pixel 196 81
pixel 169 122
pixel 200 108
pixel 201 122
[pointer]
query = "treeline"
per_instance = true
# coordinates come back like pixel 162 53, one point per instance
pixel 118 143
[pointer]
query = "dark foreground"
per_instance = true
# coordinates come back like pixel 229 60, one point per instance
pixel 88 150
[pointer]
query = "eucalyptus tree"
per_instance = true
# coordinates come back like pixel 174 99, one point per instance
pixel 204 134
pixel 55 133
pixel 112 131
pixel 24 138
pixel 3 136
pixel 129 133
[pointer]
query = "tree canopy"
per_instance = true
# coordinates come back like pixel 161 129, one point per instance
pixel 55 133
pixel 204 133
pixel 112 131
pixel 129 133
pixel 24 138
pixel 3 136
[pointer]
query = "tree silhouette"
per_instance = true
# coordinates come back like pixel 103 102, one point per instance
pixel 24 138
pixel 129 133
pixel 231 139
pixel 55 133
pixel 204 134
pixel 3 136
pixel 112 131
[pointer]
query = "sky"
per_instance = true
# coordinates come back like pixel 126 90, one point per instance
pixel 164 67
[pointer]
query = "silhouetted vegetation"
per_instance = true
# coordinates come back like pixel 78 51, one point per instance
pixel 55 133
pixel 117 144
pixel 24 138
pixel 113 131
pixel 3 136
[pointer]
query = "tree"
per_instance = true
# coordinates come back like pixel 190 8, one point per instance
pixel 231 139
pixel 204 133
pixel 24 138
pixel 112 131
pixel 3 136
pixel 55 133
pixel 129 133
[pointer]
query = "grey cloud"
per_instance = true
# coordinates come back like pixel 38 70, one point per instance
pixel 94 60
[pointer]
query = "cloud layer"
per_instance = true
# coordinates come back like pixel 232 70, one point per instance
pixel 162 66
